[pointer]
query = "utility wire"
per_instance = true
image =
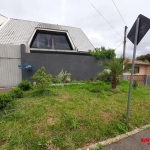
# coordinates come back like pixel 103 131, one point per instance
pixel 119 12
pixel 119 45
pixel 105 19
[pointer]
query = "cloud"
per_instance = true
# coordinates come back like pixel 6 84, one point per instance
pixel 147 47
pixel 81 14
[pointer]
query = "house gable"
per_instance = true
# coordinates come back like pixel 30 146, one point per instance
pixel 18 32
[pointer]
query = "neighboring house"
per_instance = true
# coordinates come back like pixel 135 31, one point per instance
pixel 141 69
pixel 39 44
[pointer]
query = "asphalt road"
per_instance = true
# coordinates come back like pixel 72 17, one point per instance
pixel 132 142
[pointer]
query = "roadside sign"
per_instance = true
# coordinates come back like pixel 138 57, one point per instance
pixel 144 26
pixel 137 32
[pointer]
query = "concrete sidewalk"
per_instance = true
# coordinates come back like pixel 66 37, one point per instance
pixel 131 143
pixel 5 90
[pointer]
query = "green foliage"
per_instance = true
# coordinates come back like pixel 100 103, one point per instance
pixel 74 124
pixel 103 53
pixel 57 80
pixel 4 100
pixel 91 116
pixel 100 146
pixel 25 85
pixel 70 121
pixel 63 76
pixel 135 84
pixel 58 141
pixel 16 93
pixel 67 78
pixel 122 127
pixel 95 90
pixel 144 58
pixel 104 76
pixel 115 66
pixel 42 79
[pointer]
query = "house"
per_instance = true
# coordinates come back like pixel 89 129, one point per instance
pixel 56 47
pixel 141 70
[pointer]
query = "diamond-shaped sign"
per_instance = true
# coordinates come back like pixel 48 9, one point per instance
pixel 144 26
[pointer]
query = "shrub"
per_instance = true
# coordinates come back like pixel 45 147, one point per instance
pixel 42 79
pixel 63 76
pixel 25 85
pixel 67 78
pixel 135 84
pixel 16 93
pixel 104 76
pixel 57 80
pixel 102 53
pixel 4 100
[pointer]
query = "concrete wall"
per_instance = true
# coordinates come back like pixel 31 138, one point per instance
pixel 81 66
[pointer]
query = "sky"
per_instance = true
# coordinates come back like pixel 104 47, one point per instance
pixel 81 14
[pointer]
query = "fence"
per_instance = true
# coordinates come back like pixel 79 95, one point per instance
pixel 140 78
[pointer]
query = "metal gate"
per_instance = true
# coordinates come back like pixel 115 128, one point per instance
pixel 10 58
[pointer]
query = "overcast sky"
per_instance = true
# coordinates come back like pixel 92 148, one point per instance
pixel 79 13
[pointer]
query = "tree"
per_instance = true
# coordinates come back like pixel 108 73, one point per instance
pixel 144 58
pixel 115 65
pixel 103 53
pixel 42 79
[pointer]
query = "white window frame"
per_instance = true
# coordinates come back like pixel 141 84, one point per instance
pixel 57 31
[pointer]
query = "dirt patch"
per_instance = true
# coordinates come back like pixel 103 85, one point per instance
pixel 51 120
pixel 106 116
pixel 144 106
pixel 63 99
pixel 39 131
pixel 50 146
pixel 2 143
pixel 87 144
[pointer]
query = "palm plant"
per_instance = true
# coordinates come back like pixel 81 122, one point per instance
pixel 115 65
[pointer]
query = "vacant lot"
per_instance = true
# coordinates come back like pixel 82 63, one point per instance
pixel 71 116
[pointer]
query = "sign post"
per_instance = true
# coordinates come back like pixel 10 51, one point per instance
pixel 133 63
pixel 137 32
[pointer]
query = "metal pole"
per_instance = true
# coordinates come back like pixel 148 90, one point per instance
pixel 133 63
pixel 26 74
pixel 124 45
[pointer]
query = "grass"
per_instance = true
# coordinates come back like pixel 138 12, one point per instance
pixel 71 116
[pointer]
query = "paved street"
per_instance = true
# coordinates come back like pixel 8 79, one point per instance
pixel 131 143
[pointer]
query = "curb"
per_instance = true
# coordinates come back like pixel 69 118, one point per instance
pixel 63 84
pixel 115 139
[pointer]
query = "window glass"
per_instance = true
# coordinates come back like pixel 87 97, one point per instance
pixel 136 69
pixel 60 42
pixel 42 40
pixel 51 40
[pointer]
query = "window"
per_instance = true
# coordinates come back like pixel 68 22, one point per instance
pixel 43 40
pixel 136 69
pixel 51 40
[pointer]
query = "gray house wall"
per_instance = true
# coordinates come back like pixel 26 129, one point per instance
pixel 81 66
